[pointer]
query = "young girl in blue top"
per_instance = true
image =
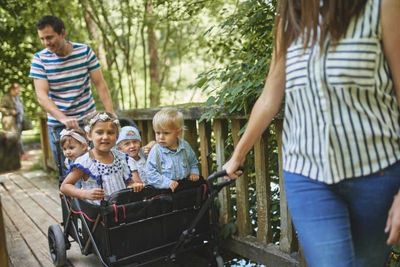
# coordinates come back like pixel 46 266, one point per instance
pixel 102 169
pixel 172 158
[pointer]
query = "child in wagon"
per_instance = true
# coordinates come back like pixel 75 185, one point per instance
pixel 103 170
pixel 129 142
pixel 172 158
pixel 73 143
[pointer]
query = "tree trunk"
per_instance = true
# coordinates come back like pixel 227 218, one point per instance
pixel 96 36
pixel 152 47
pixel 99 49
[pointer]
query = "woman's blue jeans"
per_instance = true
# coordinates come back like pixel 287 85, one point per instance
pixel 54 140
pixel 343 224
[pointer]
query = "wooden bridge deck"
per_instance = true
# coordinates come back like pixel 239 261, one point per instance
pixel 30 204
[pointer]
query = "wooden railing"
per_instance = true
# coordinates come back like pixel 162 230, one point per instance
pixel 208 140
pixel 208 137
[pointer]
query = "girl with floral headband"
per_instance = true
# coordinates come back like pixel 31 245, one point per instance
pixel 102 169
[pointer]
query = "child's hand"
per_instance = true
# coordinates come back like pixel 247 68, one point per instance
pixel 136 186
pixel 147 148
pixel 94 194
pixel 194 177
pixel 173 185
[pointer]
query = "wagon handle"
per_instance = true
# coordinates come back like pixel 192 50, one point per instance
pixel 214 176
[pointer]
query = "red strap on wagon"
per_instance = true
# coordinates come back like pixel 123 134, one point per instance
pixel 124 210
pixel 84 215
pixel 79 212
pixel 115 212
pixel 116 208
pixel 204 186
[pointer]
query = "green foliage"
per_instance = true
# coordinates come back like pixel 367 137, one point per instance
pixel 394 257
pixel 114 29
pixel 242 45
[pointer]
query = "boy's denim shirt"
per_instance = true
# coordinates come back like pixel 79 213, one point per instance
pixel 164 165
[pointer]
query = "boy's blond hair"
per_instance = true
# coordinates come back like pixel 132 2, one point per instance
pixel 168 118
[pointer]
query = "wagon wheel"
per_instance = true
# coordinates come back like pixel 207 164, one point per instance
pixel 57 245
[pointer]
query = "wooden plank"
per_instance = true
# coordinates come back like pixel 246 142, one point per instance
pixel 263 190
pixel 220 134
pixel 74 256
pixel 242 191
pixel 19 251
pixel 43 186
pixel 44 141
pixel 40 215
pixel 29 230
pixel 48 185
pixel 48 158
pixel 287 241
pixel 143 131
pixel 43 200
pixel 3 247
pixel 191 135
pixel 189 113
pixel 205 147
pixel 150 131
pixel 268 254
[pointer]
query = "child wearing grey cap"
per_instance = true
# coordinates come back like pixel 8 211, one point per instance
pixel 129 141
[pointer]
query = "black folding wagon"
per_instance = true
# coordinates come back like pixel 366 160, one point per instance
pixel 142 228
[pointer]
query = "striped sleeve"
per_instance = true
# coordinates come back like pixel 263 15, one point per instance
pixel 37 69
pixel 93 62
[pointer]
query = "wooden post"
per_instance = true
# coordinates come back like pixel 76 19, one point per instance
pixel 143 129
pixel 150 131
pixel 263 190
pixel 220 134
pixel 287 240
pixel 205 147
pixel 242 190
pixel 191 135
pixel 3 244
pixel 44 141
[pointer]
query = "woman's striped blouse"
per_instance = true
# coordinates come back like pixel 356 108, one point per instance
pixel 341 114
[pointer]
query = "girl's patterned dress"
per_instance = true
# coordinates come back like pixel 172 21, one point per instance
pixel 111 177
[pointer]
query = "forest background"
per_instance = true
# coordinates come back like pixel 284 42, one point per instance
pixel 152 52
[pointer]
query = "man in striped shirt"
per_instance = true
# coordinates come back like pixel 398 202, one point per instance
pixel 62 73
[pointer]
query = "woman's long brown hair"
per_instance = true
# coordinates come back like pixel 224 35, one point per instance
pixel 297 18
